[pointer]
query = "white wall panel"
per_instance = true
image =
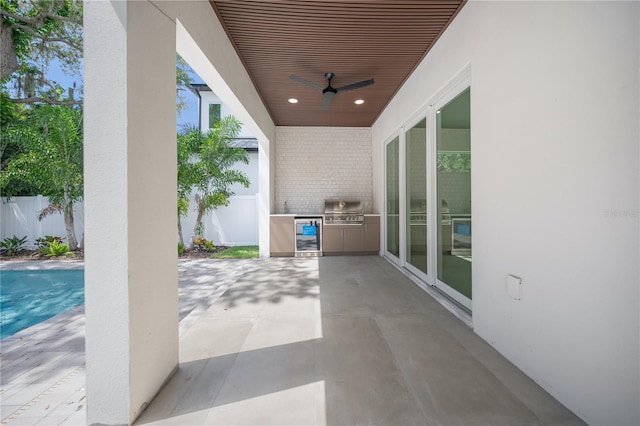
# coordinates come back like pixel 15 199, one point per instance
pixel 235 224
pixel 555 181
pixel 20 218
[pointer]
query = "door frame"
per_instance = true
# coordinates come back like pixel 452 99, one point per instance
pixel 392 257
pixel 409 124
pixel 449 92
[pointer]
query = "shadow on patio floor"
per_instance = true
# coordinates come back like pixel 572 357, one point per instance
pixel 345 340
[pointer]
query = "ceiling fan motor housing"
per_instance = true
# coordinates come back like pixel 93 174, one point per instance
pixel 329 88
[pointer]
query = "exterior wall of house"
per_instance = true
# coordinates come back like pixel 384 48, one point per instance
pixel 207 98
pixel 555 181
pixel 318 163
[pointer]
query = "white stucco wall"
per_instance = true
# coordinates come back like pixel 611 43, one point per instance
pixel 104 20
pixel 152 155
pixel 130 291
pixel 554 134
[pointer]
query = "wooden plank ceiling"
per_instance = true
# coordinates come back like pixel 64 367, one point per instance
pixel 356 40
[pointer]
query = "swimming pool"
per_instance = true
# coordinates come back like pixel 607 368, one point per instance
pixel 30 297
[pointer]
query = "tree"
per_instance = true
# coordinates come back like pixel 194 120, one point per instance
pixel 189 141
pixel 51 160
pixel 204 164
pixel 36 32
pixel 183 80
pixel 11 113
pixel 33 34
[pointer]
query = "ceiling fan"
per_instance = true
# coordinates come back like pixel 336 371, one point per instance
pixel 329 92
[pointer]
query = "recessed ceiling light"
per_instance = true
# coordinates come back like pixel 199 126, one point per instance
pixel 293 101
pixel 359 101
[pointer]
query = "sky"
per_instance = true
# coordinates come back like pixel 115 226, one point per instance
pixel 187 117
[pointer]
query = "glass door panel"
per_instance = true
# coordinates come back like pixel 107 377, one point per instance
pixel 393 197
pixel 416 196
pixel 453 182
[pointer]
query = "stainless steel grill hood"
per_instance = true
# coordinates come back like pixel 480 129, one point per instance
pixel 339 212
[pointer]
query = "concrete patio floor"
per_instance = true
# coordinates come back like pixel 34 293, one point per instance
pixel 342 341
pixel 328 341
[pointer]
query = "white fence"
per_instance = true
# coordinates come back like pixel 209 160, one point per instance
pixel 19 217
pixel 236 224
pixel 233 225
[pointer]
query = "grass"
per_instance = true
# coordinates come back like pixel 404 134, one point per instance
pixel 238 252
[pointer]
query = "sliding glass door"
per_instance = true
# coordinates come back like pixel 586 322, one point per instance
pixel 393 198
pixel 453 198
pixel 416 196
pixel 428 215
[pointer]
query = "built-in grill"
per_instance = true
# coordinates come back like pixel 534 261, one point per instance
pixel 338 212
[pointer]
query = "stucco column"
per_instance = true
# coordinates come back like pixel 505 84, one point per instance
pixel 266 170
pixel 130 207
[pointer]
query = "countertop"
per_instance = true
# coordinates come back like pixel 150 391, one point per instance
pixel 312 214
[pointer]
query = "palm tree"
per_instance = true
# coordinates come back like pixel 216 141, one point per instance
pixel 51 160
pixel 205 162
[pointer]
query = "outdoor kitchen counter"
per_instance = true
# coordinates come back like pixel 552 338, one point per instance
pixel 283 234
pixel 348 239
pixel 296 215
pixel 337 239
pixel 312 214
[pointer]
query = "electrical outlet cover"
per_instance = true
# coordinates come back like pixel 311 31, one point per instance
pixel 513 286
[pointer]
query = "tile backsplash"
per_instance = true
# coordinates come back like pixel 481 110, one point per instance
pixel 318 163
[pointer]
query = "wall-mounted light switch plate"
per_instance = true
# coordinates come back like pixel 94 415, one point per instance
pixel 513 286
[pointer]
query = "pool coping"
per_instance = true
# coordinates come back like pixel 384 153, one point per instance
pixel 30 265
pixel 43 366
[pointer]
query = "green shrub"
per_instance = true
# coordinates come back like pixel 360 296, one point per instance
pixel 201 243
pixel 180 248
pixel 13 245
pixel 55 248
pixel 43 242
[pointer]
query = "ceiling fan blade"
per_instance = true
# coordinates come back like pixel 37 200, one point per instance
pixel 305 82
pixel 328 96
pixel 353 86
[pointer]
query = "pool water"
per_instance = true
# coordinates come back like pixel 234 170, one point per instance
pixel 30 297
